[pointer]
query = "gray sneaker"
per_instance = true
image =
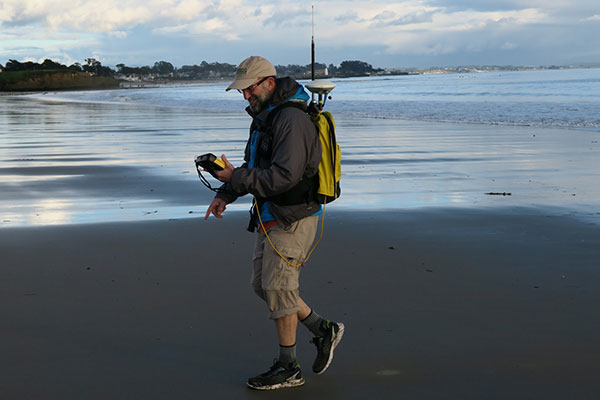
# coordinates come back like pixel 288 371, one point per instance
pixel 325 346
pixel 277 377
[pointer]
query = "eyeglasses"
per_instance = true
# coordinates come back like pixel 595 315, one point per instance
pixel 250 88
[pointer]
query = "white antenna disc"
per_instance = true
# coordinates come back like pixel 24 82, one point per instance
pixel 320 87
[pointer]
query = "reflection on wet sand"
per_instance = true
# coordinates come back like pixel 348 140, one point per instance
pixel 68 162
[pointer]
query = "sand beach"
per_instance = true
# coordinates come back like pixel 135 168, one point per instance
pixel 441 303
pixel 463 256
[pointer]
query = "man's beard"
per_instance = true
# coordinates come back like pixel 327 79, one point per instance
pixel 259 102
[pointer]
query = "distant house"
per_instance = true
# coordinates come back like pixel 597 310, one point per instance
pixel 322 72
pixel 307 73
pixel 130 77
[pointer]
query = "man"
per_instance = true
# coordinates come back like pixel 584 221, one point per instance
pixel 281 158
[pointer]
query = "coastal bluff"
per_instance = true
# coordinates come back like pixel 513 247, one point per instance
pixel 20 81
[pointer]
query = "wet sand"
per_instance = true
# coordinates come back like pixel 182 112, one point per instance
pixel 438 304
pixel 94 160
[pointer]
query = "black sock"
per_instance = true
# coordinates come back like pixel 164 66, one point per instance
pixel 287 354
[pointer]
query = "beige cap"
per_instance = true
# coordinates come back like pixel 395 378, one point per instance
pixel 250 70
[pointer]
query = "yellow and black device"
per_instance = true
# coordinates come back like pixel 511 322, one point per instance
pixel 211 163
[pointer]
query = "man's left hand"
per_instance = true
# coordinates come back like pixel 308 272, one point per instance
pixel 225 174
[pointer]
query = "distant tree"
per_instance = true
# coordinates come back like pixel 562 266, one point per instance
pixel 222 68
pixel 205 70
pixel 106 71
pixel 95 67
pixel 291 69
pixel 75 67
pixel 91 65
pixel 163 68
pixel 31 66
pixel 14 65
pixel 125 70
pixel 145 70
pixel 298 70
pixel 49 64
pixel 356 67
pixel 189 68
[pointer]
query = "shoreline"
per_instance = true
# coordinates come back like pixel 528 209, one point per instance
pixel 406 72
pixel 437 304
pixel 241 207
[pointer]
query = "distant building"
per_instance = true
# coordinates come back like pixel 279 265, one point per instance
pixel 129 77
pixel 322 72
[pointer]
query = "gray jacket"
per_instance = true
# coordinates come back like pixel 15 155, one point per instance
pixel 296 153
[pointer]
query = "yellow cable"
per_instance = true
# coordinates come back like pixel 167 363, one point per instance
pixel 277 251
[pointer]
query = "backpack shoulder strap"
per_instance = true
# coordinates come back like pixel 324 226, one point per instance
pixel 305 190
pixel 266 142
pixel 269 121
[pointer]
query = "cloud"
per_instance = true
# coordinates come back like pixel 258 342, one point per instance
pixel 509 46
pixel 348 16
pixel 99 16
pixel 479 5
pixel 118 34
pixel 391 19
pixel 408 28
pixel 172 29
pixel 25 48
pixel 385 15
pixel 147 30
pixel 185 10
pixel 293 15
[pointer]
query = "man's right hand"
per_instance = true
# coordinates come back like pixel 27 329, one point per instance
pixel 217 206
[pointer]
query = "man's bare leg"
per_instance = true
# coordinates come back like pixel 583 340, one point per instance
pixel 286 326
pixel 286 329
pixel 327 334
pixel 304 309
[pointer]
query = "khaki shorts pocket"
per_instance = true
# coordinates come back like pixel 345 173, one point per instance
pixel 276 273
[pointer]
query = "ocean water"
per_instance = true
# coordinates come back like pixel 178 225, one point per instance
pixel 546 98
pixel 549 98
pixel 407 142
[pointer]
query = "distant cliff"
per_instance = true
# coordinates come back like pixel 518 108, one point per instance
pixel 53 80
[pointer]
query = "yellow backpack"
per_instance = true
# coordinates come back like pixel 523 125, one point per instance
pixel 330 169
pixel 324 187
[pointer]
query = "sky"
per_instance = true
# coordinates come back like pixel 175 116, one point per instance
pixel 386 34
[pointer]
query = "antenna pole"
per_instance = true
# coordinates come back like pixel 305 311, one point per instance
pixel 320 87
pixel 312 45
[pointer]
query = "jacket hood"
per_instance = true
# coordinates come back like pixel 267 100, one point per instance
pixel 286 89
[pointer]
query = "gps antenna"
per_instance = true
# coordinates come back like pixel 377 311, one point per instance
pixel 312 46
pixel 320 88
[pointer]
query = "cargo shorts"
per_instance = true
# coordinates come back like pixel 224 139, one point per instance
pixel 274 280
